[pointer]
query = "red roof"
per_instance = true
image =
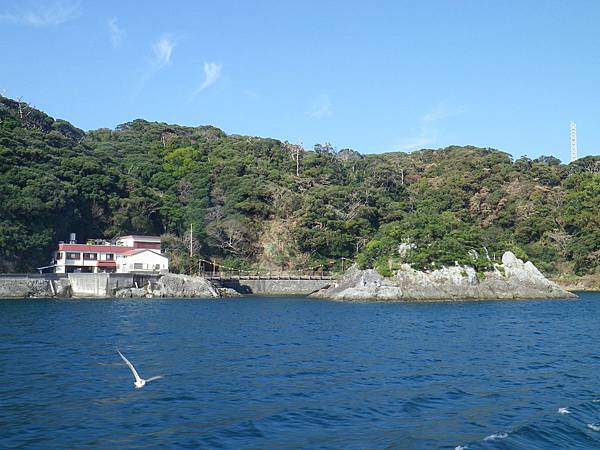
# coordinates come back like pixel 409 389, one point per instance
pixel 137 237
pixel 139 250
pixel 94 248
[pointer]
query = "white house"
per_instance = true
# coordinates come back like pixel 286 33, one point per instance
pixel 142 260
pixel 125 254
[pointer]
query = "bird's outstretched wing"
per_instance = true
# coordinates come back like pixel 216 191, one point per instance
pixel 135 374
pixel 158 377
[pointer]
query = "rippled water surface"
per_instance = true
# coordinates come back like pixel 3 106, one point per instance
pixel 293 372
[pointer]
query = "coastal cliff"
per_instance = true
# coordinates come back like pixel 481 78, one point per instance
pixel 513 279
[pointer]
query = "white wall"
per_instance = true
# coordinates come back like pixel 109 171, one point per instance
pixel 63 262
pixel 128 242
pixel 148 259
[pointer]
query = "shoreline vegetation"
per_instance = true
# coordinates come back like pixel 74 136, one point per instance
pixel 260 204
pixel 588 283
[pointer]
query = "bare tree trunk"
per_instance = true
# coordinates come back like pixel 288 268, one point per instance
pixel 19 102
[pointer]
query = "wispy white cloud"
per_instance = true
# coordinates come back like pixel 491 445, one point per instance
pixel 322 107
pixel 43 14
pixel 251 94
pixel 439 112
pixel 163 49
pixel 212 73
pixel 428 132
pixel 162 53
pixel 425 138
pixel 116 33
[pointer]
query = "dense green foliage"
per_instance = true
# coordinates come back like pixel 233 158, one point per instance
pixel 249 207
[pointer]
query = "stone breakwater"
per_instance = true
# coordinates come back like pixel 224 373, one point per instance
pixel 513 279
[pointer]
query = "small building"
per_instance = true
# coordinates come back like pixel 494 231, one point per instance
pixel 152 242
pixel 125 254
pixel 142 260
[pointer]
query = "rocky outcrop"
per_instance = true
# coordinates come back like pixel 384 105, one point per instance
pixel 132 293
pixel 513 279
pixel 62 288
pixel 228 292
pixel 173 286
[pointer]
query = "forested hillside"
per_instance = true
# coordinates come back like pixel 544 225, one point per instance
pixel 261 203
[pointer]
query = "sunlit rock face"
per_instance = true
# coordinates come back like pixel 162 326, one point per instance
pixel 175 286
pixel 513 279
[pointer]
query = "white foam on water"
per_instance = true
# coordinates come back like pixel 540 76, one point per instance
pixel 594 426
pixel 596 400
pixel 564 411
pixel 493 437
pixel 461 447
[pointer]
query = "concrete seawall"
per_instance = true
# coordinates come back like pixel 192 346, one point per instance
pixel 57 285
pixel 98 284
pixel 107 285
pixel 274 287
pixel 34 285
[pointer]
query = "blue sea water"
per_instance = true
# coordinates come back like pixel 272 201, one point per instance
pixel 299 373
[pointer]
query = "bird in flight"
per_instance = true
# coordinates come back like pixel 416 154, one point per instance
pixel 139 382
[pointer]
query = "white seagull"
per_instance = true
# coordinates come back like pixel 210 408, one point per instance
pixel 139 382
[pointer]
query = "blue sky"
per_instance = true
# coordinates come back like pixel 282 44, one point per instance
pixel 373 76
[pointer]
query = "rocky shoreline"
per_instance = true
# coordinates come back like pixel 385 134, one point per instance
pixel 513 279
pixel 589 283
pixel 177 286
pixel 103 286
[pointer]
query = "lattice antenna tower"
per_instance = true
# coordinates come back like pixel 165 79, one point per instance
pixel 573 141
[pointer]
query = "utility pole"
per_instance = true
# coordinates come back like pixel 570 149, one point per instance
pixel 191 241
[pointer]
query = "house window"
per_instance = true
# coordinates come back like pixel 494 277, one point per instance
pixel 90 256
pixel 72 255
pixel 110 257
pixel 138 266
pixel 59 255
pixel 156 266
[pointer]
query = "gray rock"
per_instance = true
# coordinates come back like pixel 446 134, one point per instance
pixel 131 293
pixel 174 285
pixel 228 292
pixel 513 279
pixel 62 288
